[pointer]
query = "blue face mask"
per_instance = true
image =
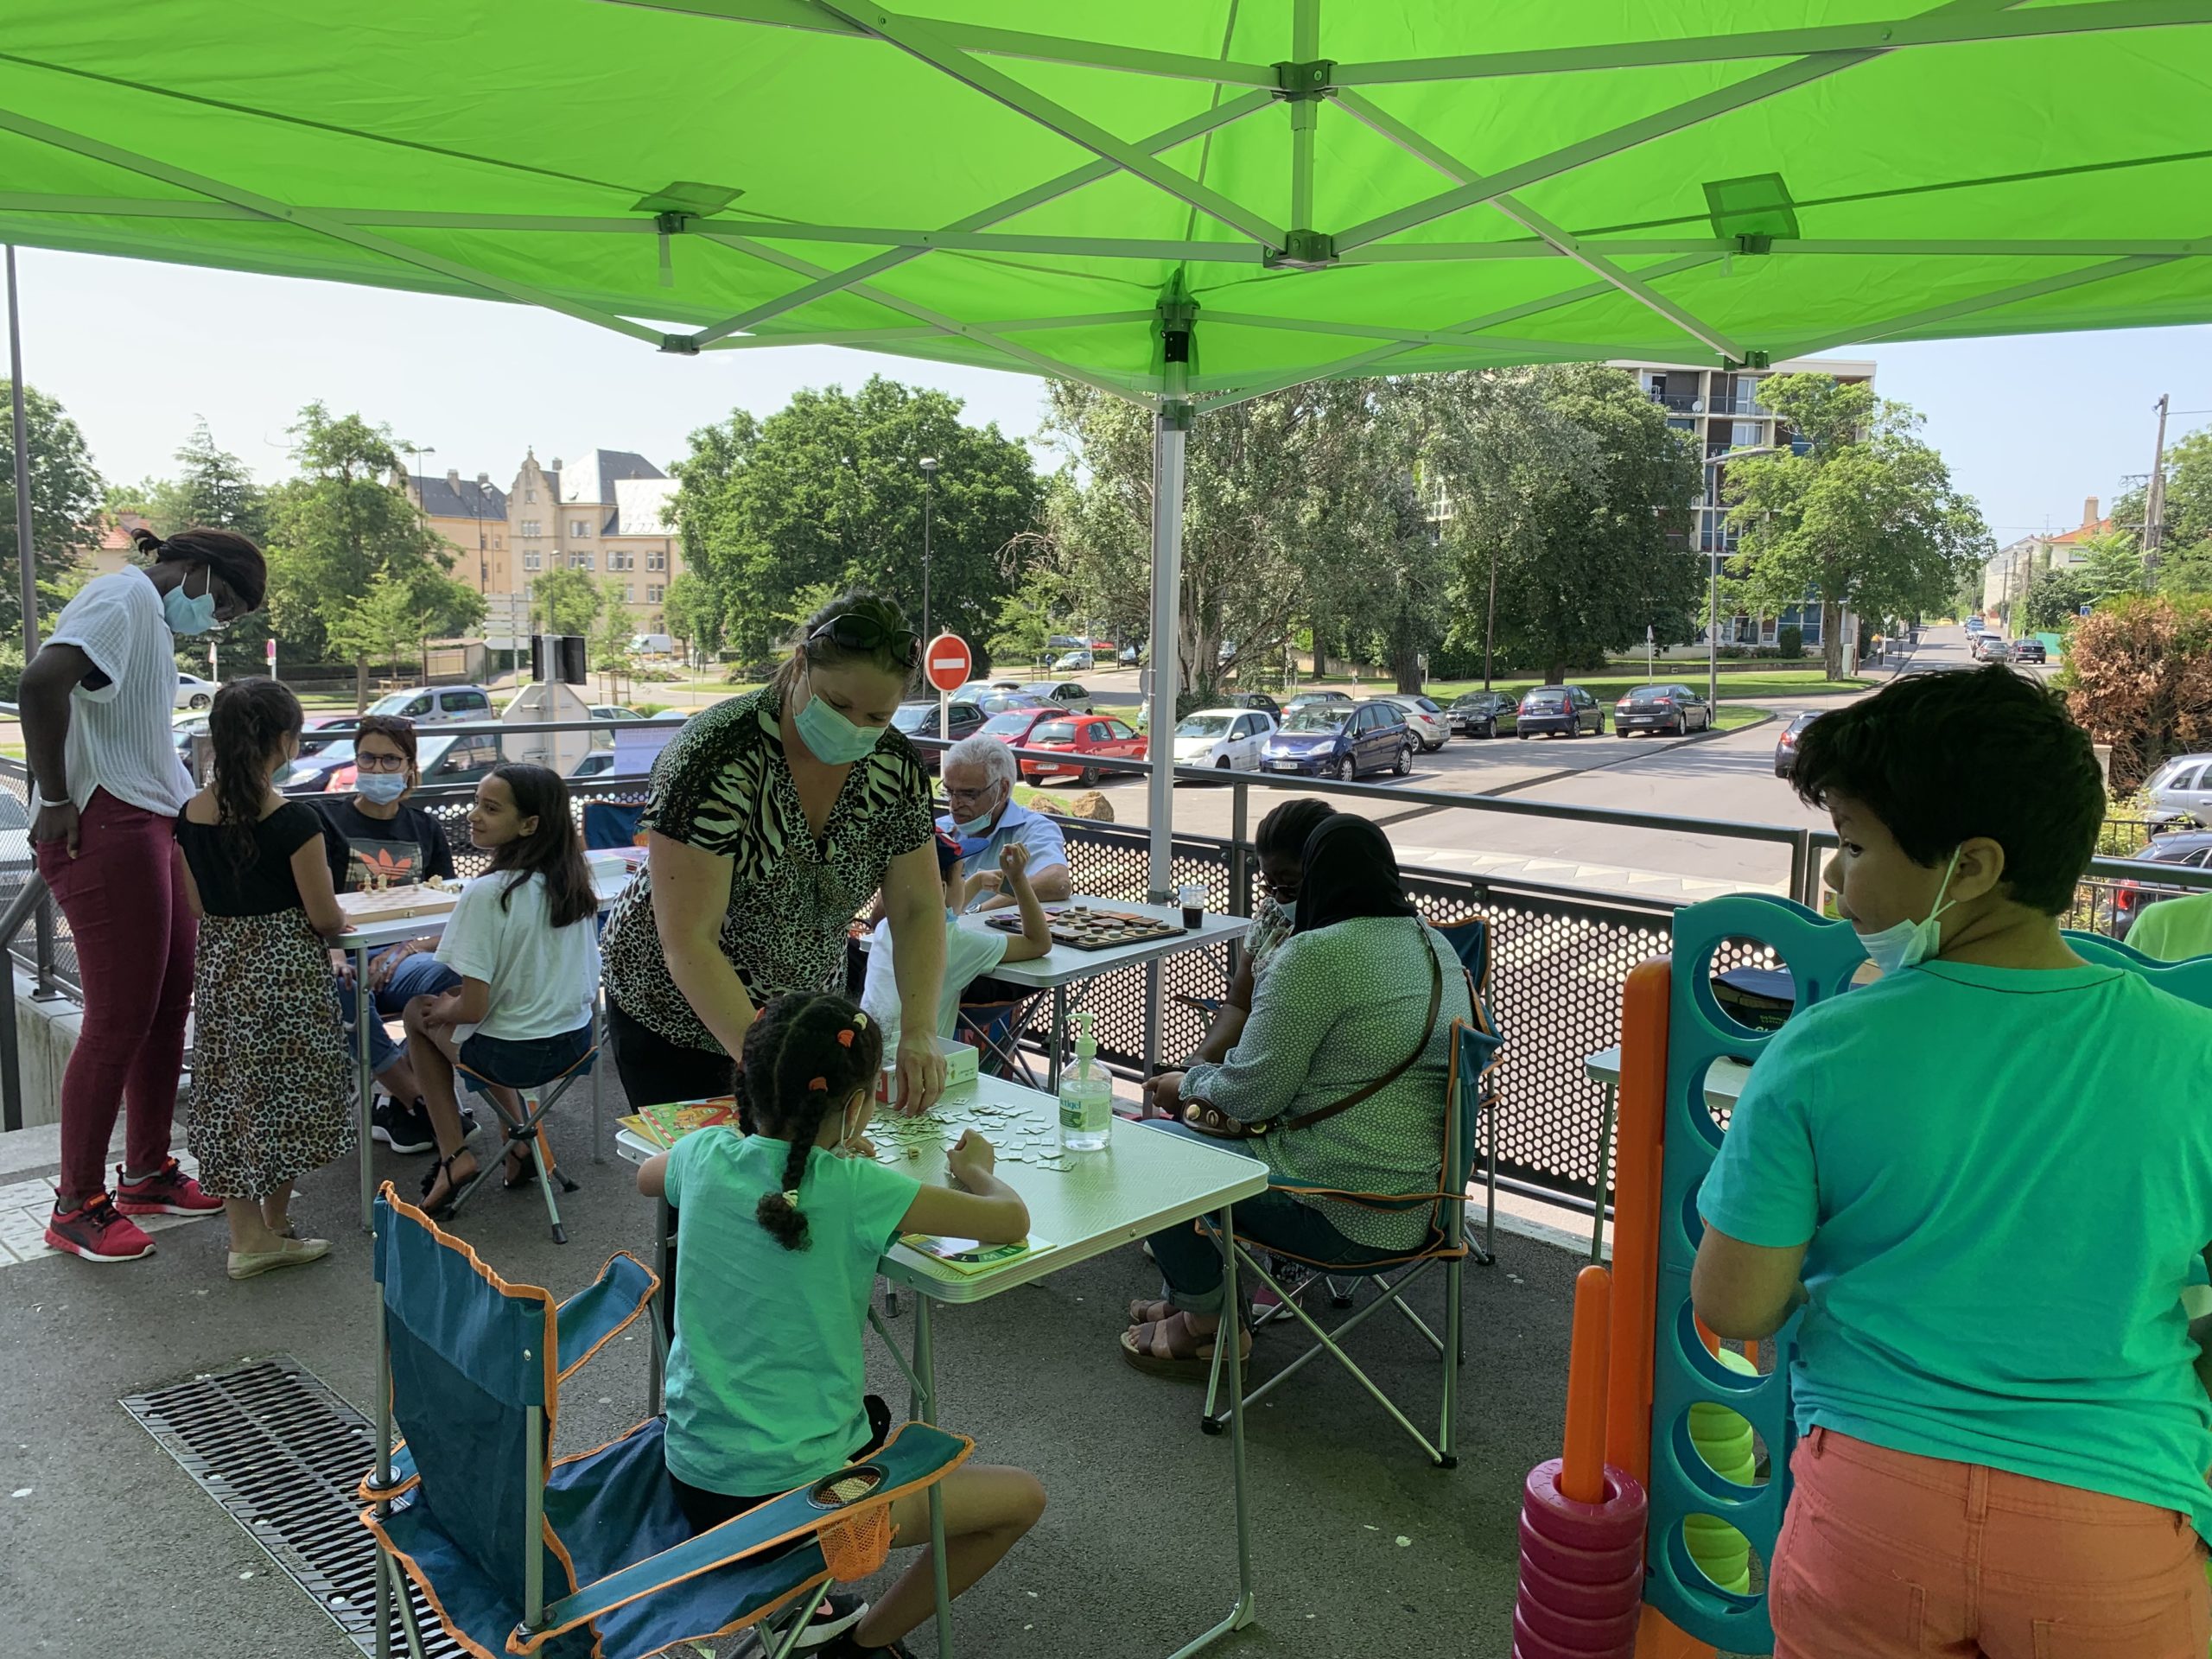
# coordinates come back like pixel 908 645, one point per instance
pixel 382 788
pixel 1903 943
pixel 186 615
pixel 830 737
pixel 1289 909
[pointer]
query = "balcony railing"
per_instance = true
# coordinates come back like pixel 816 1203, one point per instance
pixel 1689 403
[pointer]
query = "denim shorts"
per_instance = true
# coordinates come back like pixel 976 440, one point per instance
pixel 521 1062
pixel 420 974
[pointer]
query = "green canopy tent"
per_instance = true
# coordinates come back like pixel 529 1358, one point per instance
pixel 1185 202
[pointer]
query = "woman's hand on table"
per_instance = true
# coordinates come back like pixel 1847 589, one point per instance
pixel 1164 1094
pixel 921 1073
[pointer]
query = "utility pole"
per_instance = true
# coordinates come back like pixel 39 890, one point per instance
pixel 1489 621
pixel 2154 496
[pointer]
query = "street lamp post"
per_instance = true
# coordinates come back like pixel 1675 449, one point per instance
pixel 928 489
pixel 1712 465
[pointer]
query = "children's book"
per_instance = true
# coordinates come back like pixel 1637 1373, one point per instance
pixel 970 1256
pixel 666 1125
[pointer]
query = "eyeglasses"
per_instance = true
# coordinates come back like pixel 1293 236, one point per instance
pixel 952 794
pixel 865 633
pixel 1281 892
pixel 379 762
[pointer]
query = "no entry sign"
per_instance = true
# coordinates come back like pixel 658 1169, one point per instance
pixel 947 661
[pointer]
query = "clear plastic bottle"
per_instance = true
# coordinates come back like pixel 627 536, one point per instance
pixel 1086 1094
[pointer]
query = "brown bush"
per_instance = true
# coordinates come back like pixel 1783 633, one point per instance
pixel 2138 676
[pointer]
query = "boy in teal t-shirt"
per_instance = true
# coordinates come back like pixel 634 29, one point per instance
pixel 1987 1177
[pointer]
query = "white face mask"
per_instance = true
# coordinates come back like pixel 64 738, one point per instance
pixel 1903 943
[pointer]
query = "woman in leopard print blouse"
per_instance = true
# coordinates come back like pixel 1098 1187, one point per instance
pixel 775 819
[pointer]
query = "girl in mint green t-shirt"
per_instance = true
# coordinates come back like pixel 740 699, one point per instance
pixel 779 1229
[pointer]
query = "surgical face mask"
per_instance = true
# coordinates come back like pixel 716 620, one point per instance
pixel 976 828
pixel 382 788
pixel 1903 943
pixel 830 737
pixel 1289 909
pixel 188 615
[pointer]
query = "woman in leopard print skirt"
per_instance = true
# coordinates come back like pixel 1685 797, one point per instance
pixel 272 1094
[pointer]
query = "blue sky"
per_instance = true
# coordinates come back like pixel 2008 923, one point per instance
pixel 136 351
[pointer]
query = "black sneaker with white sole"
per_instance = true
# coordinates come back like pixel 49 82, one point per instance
pixel 838 1614
pixel 405 1127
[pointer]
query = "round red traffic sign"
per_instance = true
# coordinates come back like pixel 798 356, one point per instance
pixel 946 661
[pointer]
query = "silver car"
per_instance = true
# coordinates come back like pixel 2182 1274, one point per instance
pixel 2181 789
pixel 1425 719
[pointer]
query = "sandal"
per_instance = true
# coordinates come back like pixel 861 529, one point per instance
pixel 1170 1348
pixel 519 1168
pixel 443 1207
pixel 1151 1313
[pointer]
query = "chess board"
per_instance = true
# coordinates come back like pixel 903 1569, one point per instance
pixel 919 1144
pixel 1080 928
pixel 397 904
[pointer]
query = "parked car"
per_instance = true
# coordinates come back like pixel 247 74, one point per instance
pixel 1567 710
pixel 614 711
pixel 1088 739
pixel 311 773
pixel 920 719
pixel 2181 788
pixel 320 731
pixel 1785 747
pixel 1975 624
pixel 1074 662
pixel 1676 709
pixel 597 763
pixel 2131 898
pixel 1988 648
pixel 192 692
pixel 1483 714
pixel 2029 649
pixel 1065 693
pixel 1313 699
pixel 993 703
pixel 1325 738
pixel 1259 700
pixel 1425 718
pixel 445 762
pixel 1231 739
pixel 649 645
pixel 1013 726
pixel 1129 656
pixel 433 705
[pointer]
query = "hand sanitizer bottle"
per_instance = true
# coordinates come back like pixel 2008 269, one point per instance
pixel 1086 1094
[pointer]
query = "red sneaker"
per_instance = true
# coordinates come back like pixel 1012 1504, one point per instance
pixel 97 1232
pixel 168 1192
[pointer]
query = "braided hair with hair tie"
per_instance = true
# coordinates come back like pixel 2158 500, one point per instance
pixel 807 1055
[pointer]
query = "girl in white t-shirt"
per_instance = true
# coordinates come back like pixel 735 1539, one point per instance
pixel 524 941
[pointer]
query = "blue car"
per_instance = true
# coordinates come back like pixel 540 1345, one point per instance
pixel 1330 740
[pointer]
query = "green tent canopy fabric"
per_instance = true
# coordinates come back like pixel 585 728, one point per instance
pixel 1330 188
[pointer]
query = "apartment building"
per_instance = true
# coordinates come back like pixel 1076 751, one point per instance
pixel 1721 411
pixel 2013 567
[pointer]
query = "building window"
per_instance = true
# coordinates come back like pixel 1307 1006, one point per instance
pixel 530 495
pixel 1745 434
pixel 581 562
pixel 629 594
pixel 657 561
pixel 500 543
pixel 532 527
pixel 653 592
pixel 529 591
pixel 529 560
pixel 619 559
pixel 579 526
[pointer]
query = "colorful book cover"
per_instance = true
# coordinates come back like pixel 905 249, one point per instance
pixel 968 1254
pixel 665 1125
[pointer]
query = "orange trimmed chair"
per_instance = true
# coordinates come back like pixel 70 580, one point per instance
pixel 1469 1100
pixel 589 1557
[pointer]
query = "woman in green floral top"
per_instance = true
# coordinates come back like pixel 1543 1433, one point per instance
pixel 775 819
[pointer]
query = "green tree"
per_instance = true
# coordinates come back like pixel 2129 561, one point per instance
pixel 66 492
pixel 610 636
pixel 336 528
pixel 828 492
pixel 384 626
pixel 2055 599
pixel 2138 676
pixel 1570 497
pixel 565 600
pixel 213 488
pixel 1864 514
pixel 694 612
pixel 2186 537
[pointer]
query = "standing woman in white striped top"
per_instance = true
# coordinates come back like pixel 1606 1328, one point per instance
pixel 97 703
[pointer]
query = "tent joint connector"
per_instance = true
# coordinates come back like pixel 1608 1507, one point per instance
pixel 1751 361
pixel 673 224
pixel 1755 243
pixel 1178 414
pixel 680 345
pixel 1297 83
pixel 1302 250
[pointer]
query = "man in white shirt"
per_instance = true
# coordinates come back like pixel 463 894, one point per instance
pixel 979 773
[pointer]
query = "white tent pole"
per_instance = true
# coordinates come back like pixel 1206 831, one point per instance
pixel 26 564
pixel 1168 426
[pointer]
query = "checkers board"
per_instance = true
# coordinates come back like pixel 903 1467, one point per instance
pixel 1083 928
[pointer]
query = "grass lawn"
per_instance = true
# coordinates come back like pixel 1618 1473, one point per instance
pixel 1735 717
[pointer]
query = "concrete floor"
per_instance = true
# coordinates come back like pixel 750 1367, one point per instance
pixel 1360 1546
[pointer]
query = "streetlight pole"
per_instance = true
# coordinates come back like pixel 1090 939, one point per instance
pixel 1712 465
pixel 929 490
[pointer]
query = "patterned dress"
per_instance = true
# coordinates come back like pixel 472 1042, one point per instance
pixel 725 787
pixel 272 1084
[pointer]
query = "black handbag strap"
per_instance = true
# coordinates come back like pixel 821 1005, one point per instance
pixel 1421 1047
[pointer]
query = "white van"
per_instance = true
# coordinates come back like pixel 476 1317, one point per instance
pixel 652 644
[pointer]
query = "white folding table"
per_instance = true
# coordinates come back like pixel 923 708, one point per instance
pixel 1142 1182
pixel 1723 1081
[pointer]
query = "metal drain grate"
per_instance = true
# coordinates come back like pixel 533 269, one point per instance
pixel 283 1455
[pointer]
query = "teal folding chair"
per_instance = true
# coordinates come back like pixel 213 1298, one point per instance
pixel 589 1557
pixel 1469 1102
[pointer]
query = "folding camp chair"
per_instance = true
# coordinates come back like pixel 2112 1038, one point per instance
pixel 525 1131
pixel 591 1558
pixel 1468 1101
pixel 996 1029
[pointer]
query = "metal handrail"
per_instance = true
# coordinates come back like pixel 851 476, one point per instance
pixel 30 898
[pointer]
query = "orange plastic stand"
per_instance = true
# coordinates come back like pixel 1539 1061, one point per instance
pixel 1582 1472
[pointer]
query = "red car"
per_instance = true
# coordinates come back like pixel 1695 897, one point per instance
pixel 1013 726
pixel 1094 737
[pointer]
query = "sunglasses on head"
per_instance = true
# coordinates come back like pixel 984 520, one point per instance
pixel 862 634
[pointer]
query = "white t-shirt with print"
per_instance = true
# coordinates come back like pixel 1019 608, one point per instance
pixel 120 738
pixel 543 977
pixel 971 949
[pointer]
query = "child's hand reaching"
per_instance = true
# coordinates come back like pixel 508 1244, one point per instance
pixel 1014 859
pixel 971 1161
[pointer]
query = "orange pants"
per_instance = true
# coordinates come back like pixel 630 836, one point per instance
pixel 1885 1553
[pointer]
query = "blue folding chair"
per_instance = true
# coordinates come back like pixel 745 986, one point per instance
pixel 609 824
pixel 1468 1100
pixel 591 1557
